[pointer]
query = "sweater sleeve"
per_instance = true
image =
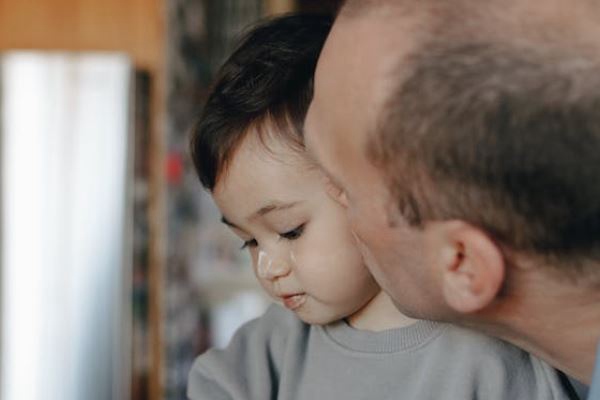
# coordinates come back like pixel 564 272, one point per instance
pixel 249 367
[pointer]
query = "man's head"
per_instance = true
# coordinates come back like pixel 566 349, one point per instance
pixel 463 136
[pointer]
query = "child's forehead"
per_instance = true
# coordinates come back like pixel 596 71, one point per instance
pixel 276 130
pixel 261 173
pixel 262 156
pixel 268 143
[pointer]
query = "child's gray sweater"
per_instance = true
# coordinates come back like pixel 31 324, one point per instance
pixel 277 356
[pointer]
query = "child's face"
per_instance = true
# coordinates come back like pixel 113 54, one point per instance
pixel 303 252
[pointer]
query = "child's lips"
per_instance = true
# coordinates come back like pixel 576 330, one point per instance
pixel 293 301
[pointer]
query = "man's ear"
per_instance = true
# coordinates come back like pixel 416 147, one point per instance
pixel 472 267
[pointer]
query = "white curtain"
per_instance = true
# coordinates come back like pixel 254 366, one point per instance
pixel 65 255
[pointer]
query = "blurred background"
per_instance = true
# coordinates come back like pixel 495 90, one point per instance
pixel 115 270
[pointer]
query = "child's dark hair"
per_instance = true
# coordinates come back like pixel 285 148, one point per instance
pixel 268 78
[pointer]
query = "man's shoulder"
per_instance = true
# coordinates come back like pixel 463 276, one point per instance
pixel 478 348
pixel 595 387
pixel 494 362
pixel 465 339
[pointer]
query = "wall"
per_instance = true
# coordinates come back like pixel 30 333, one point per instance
pixel 136 27
pixel 133 26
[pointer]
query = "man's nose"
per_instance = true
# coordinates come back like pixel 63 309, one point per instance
pixel 272 267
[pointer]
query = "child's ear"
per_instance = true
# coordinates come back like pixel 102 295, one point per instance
pixel 472 266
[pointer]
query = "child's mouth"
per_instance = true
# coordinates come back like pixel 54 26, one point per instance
pixel 294 301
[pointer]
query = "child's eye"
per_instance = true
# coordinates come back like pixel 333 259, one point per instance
pixel 249 244
pixel 294 233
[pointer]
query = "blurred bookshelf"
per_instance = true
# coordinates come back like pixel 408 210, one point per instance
pixel 141 329
pixel 208 284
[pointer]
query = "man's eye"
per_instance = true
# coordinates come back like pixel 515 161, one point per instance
pixel 249 244
pixel 294 233
pixel 332 190
pixel 335 192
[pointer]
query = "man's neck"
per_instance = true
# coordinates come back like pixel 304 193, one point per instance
pixel 552 319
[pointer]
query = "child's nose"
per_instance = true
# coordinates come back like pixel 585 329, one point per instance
pixel 272 268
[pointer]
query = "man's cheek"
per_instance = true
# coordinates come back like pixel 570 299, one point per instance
pixel 364 250
pixel 355 218
pixel 364 225
pixel 371 263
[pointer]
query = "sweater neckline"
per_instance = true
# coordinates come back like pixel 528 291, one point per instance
pixel 388 341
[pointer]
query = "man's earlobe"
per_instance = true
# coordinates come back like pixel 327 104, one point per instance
pixel 473 267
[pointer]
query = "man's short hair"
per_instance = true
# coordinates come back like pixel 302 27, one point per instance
pixel 503 134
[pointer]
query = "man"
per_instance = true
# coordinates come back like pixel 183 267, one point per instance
pixel 464 139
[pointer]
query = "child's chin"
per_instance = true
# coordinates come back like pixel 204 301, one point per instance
pixel 313 319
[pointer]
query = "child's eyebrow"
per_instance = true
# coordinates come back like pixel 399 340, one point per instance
pixel 263 211
pixel 273 207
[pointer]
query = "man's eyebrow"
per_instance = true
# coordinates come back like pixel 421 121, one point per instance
pixel 312 156
pixel 330 177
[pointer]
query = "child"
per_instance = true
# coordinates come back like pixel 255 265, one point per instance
pixel 339 336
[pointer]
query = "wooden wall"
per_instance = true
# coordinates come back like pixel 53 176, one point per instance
pixel 137 28
pixel 133 26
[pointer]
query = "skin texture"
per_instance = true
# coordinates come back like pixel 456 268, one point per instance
pixel 303 252
pixel 444 270
pixel 337 121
